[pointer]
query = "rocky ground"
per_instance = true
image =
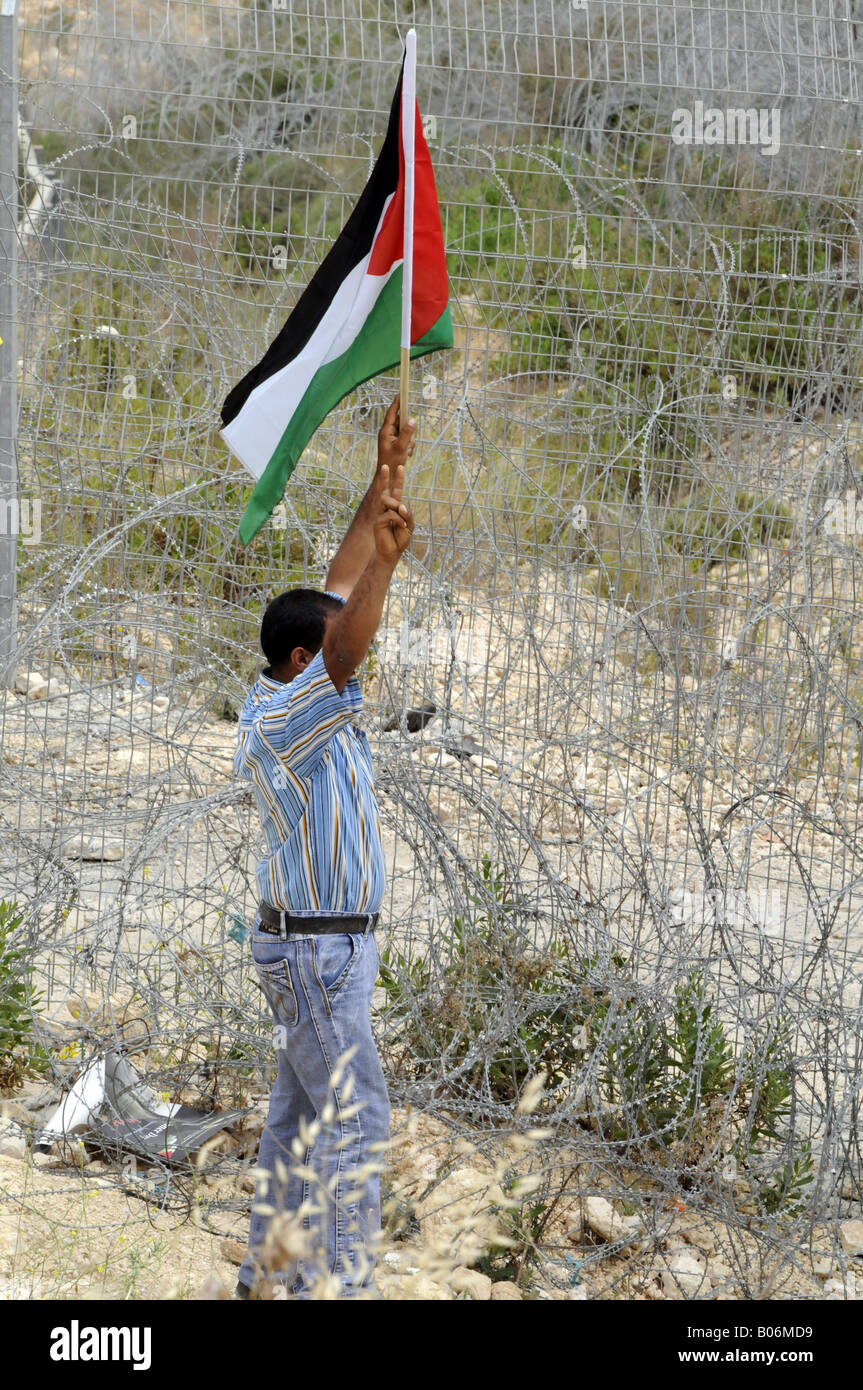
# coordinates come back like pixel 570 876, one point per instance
pixel 80 1231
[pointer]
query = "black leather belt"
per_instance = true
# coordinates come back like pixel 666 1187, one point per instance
pixel 272 920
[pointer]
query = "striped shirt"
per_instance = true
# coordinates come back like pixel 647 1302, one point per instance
pixel 310 767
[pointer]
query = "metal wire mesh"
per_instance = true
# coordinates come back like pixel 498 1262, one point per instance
pixel 633 588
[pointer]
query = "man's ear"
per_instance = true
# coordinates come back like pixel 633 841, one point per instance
pixel 301 658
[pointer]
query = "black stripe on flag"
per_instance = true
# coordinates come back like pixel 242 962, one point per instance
pixel 354 242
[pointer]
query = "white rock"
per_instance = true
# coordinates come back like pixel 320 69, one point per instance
pixel 838 1290
pixel 418 1287
pixel 56 687
pixel 161 704
pixel 471 1281
pixel 40 1159
pixel 26 682
pixel 720 1272
pixel 108 854
pixel 851 1237
pixel 92 851
pixel 128 759
pixel 684 1276
pixel 604 1221
pixel 701 1237
pixel 728 1169
pixel 579 1294
pixel 505 1291
pixel 653 1290
pixel 13 1143
pixel 37 690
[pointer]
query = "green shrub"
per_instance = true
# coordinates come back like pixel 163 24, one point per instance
pixel 20 1054
pixel 674 1080
pixel 704 526
pixel 664 1072
pixel 668 1076
pixel 787 1187
pixel 442 1017
pixel 522 1221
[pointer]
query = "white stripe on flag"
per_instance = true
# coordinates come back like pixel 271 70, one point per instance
pixel 253 435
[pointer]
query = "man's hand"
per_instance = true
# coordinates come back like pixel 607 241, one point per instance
pixel 394 446
pixel 394 525
pixel 359 544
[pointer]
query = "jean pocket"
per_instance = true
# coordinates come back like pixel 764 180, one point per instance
pixel 276 983
pixel 335 958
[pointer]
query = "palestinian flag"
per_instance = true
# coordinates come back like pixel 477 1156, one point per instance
pixel 346 326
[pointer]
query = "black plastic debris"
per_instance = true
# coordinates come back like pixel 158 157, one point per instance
pixel 414 719
pixel 112 1108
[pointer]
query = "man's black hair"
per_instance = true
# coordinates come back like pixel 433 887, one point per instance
pixel 295 619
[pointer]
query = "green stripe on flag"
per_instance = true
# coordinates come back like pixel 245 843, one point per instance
pixel 375 349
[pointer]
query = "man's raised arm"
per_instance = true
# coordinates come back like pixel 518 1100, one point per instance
pixel 358 546
pixel 349 634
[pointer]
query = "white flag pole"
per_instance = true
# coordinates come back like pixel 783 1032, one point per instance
pixel 409 100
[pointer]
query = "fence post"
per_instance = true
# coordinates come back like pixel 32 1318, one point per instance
pixel 9 500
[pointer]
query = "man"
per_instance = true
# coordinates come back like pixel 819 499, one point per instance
pixel 321 887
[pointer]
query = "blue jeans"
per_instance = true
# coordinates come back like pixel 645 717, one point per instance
pixel 320 989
